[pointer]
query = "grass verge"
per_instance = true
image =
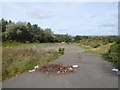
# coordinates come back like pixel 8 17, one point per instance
pixel 20 44
pixel 99 50
pixel 18 60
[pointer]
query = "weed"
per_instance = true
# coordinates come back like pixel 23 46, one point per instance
pixel 61 50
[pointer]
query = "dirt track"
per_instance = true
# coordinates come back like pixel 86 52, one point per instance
pixel 93 72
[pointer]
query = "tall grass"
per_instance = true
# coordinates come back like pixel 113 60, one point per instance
pixel 18 60
pixel 20 44
pixel 99 50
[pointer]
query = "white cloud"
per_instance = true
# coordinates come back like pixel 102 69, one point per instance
pixel 38 14
pixel 93 16
pixel 107 25
pixel 60 1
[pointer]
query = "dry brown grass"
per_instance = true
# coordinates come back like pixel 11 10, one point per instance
pixel 18 60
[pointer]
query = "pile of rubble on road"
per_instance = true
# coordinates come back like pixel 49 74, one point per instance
pixel 58 68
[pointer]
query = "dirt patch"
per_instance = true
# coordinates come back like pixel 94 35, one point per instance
pixel 58 68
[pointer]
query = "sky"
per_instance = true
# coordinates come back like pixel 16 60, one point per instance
pixel 74 18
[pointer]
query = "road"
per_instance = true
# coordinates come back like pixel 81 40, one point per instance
pixel 93 72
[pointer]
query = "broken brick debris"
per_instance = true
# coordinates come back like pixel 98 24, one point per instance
pixel 58 68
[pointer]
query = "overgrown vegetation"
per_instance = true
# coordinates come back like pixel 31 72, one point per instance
pixel 18 60
pixel 101 50
pixel 107 46
pixel 18 38
pixel 23 34
pixel 26 32
pixel 95 41
pixel 20 44
pixel 113 55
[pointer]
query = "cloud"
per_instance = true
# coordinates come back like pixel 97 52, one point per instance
pixel 82 24
pixel 38 14
pixel 115 15
pixel 107 25
pixel 93 16
pixel 110 32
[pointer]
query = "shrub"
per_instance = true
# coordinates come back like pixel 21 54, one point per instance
pixel 96 45
pixel 61 50
pixel 113 55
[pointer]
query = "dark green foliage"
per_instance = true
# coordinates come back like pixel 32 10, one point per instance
pixel 18 33
pixel 95 41
pixel 26 32
pixel 78 38
pixel 63 38
pixel 113 55
pixel 104 39
pixel 61 50
pixel 3 24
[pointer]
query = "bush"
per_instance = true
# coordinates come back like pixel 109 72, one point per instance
pixel 96 45
pixel 113 55
pixel 61 50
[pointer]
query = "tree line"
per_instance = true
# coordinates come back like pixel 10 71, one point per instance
pixel 27 32
pixel 105 39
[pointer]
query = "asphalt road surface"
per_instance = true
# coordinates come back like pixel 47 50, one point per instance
pixel 93 72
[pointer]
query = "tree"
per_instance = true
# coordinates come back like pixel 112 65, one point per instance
pixel 48 35
pixel 29 26
pixel 22 32
pixel 18 32
pixel 3 23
